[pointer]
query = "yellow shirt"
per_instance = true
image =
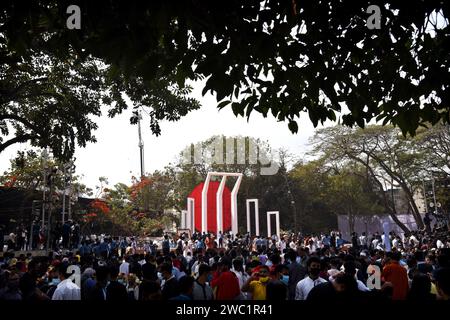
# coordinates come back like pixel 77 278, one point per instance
pixel 258 290
pixel 433 289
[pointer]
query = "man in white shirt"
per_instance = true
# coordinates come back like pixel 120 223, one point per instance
pixel 125 266
pixel 414 240
pixel 66 289
pixel 238 270
pixel 375 243
pixel 395 242
pixel 363 240
pixel 292 245
pixel 281 245
pixel 305 286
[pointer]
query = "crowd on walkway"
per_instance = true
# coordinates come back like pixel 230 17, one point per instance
pixel 235 267
pixel 66 235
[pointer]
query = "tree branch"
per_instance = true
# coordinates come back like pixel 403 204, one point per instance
pixel 24 121
pixel 18 139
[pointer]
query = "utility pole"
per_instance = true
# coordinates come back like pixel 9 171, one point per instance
pixel 44 179
pixel 51 181
pixel 64 194
pixel 141 145
pixel 71 171
pixel 434 194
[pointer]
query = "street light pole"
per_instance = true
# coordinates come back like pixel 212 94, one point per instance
pixel 71 172
pixel 434 194
pixel 44 179
pixel 141 146
pixel 51 181
pixel 64 194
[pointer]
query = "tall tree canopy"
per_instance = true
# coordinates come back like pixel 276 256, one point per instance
pixel 277 56
pixel 51 89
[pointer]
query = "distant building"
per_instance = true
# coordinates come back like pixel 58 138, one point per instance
pixel 423 200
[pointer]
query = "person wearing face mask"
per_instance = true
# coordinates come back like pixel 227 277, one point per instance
pixel 53 281
pixel 202 290
pixel 312 280
pixel 66 289
pixel 282 272
pixel 277 288
pixel 257 283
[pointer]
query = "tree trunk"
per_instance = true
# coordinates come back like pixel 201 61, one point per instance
pixel 401 181
pixel 351 223
pixel 391 211
pixel 412 204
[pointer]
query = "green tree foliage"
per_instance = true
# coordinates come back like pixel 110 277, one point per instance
pixel 390 159
pixel 350 193
pixel 26 172
pixel 435 144
pixel 311 183
pixel 47 101
pixel 276 56
pixel 51 91
pixel 139 208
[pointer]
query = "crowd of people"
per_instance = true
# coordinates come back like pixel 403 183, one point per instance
pixel 66 235
pixel 235 267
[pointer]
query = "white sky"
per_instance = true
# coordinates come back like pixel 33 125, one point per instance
pixel 116 153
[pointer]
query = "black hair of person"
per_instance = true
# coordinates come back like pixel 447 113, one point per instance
pixel 62 269
pixel 311 260
pixel 101 273
pixel 185 284
pixel 203 268
pixel 166 267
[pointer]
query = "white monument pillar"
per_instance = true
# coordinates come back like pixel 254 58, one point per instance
pixel 190 222
pixel 234 216
pixel 219 197
pixel 255 201
pixel 277 217
pixel 205 204
pixel 183 219
pixel 219 204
